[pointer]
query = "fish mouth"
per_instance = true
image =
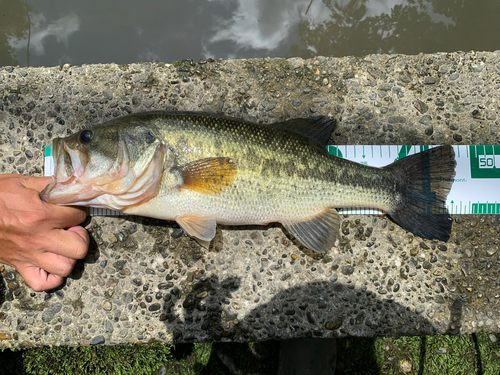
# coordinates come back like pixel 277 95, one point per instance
pixel 69 166
pixel 119 186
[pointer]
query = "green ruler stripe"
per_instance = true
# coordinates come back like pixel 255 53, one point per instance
pixel 485 208
pixel 485 161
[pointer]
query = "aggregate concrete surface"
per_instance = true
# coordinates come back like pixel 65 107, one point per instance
pixel 144 280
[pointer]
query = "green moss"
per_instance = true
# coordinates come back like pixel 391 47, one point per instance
pixel 189 359
pixel 397 355
pixel 204 359
pixel 202 353
pixel 466 354
pixel 249 358
pixel 488 354
pixel 463 354
pixel 450 355
pixel 98 360
pixel 184 65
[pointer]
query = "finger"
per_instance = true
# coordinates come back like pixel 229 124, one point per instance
pixel 65 216
pixel 57 216
pixel 81 232
pixel 55 264
pixel 71 244
pixel 38 279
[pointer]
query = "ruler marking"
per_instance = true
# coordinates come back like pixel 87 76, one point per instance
pixel 465 189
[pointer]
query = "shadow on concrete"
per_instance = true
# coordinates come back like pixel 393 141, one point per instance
pixel 314 310
pixel 91 257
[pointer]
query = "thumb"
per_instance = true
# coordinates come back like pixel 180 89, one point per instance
pixel 39 279
pixel 36 183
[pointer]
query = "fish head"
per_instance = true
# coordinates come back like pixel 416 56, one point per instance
pixel 112 166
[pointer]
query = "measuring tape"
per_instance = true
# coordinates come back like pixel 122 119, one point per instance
pixel 476 189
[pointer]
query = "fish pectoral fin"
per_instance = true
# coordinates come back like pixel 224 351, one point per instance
pixel 208 176
pixel 318 233
pixel 202 228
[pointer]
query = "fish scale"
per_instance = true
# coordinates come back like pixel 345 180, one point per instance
pixel 202 169
pixel 300 182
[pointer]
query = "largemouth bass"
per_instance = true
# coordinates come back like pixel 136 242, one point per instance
pixel 202 170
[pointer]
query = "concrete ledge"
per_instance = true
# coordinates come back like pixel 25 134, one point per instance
pixel 144 280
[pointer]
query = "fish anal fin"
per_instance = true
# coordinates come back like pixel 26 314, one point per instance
pixel 209 175
pixel 201 228
pixel 318 233
pixel 205 244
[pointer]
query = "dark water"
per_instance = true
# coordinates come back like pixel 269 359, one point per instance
pixel 53 32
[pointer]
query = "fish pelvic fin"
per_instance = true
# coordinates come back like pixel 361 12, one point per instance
pixel 201 228
pixel 423 183
pixel 208 176
pixel 319 233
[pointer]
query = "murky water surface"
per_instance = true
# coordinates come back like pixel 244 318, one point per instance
pixel 48 32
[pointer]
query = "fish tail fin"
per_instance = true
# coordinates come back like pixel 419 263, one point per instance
pixel 423 183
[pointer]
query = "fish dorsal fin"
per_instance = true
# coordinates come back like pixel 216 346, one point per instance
pixel 318 128
pixel 202 228
pixel 208 176
pixel 318 233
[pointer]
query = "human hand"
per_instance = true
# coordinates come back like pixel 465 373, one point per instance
pixel 41 240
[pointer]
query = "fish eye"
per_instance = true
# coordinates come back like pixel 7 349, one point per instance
pixel 86 136
pixel 150 138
